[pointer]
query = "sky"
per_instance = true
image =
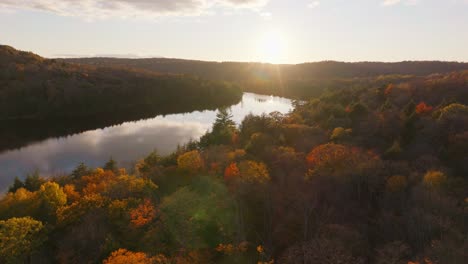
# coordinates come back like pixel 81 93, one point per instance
pixel 277 31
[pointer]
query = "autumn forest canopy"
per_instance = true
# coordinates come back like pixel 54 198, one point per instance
pixel 371 165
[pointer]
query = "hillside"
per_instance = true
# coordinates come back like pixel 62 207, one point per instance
pixel 35 87
pixel 301 80
pixel 357 175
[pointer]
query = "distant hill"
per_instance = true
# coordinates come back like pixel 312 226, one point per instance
pixel 301 80
pixel 314 70
pixel 35 87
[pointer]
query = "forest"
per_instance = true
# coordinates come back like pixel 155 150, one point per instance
pixel 297 81
pixel 373 170
pixel 35 88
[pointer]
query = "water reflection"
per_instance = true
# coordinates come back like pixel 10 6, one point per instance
pixel 126 142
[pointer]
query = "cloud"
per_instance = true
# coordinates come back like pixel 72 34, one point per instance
pixel 313 4
pixel 128 8
pixel 391 2
pixel 266 15
pixel 395 2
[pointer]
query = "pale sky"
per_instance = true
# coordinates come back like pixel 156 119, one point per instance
pixel 280 31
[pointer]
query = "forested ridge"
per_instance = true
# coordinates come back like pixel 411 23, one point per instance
pixel 373 173
pixel 299 81
pixel 32 87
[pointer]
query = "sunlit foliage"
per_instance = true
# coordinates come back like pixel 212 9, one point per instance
pixel 19 238
pixel 434 179
pixel 231 172
pixel 143 214
pixel 190 161
pixel 370 169
pixel 251 171
pixel 423 108
pixel 123 256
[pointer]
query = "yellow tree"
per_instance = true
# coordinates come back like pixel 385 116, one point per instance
pixel 53 195
pixel 190 161
pixel 251 171
pixel 19 238
pixel 123 256
pixel 434 179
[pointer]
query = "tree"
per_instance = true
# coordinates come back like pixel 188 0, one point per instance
pixel 190 161
pixel 33 181
pixel 454 118
pixel 80 171
pixel 335 160
pixel 224 120
pixel 329 157
pixel 340 134
pixel 143 214
pixel 111 165
pixel 52 195
pixel 123 256
pixel 198 216
pixel 434 179
pixel 19 239
pixel 351 168
pixel 149 163
pixel 258 144
pixel 223 131
pixel 20 203
pixel 422 108
pixel 71 193
pixel 231 172
pixel 16 185
pixel 255 172
pixel 52 198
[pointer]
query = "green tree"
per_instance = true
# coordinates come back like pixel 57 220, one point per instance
pixel 16 185
pixel 80 171
pixel 33 182
pixel 224 128
pixel 200 215
pixel 224 120
pixel 111 165
pixel 19 239
pixel 146 165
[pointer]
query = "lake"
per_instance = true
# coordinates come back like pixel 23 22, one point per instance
pixel 126 143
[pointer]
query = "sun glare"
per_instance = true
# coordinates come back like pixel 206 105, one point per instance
pixel 272 47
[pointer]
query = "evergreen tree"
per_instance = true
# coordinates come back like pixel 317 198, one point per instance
pixel 223 130
pixel 111 165
pixel 224 121
pixel 33 182
pixel 80 171
pixel 17 184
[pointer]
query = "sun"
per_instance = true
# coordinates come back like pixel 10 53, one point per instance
pixel 272 47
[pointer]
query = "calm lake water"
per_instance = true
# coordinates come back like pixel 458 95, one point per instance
pixel 126 143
